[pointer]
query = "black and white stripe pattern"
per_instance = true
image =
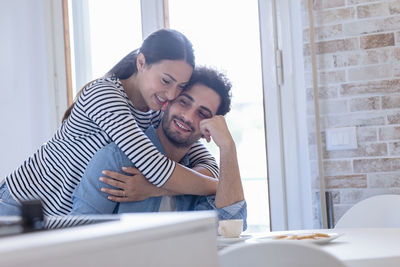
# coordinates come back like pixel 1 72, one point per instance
pixel 102 113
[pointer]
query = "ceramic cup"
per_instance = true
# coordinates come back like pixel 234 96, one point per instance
pixel 230 228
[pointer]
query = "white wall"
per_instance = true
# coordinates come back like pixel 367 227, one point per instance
pixel 27 99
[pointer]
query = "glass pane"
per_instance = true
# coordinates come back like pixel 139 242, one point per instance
pixel 225 35
pixel 106 32
pixel 115 30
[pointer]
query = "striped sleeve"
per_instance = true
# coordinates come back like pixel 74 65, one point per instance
pixel 200 156
pixel 109 110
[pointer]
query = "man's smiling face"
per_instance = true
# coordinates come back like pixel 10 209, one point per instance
pixel 183 115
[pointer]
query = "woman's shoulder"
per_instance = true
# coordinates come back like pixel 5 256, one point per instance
pixel 105 85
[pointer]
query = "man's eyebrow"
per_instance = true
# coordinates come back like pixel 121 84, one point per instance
pixel 187 96
pixel 170 76
pixel 202 107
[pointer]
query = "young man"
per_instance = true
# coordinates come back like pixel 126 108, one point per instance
pixel 197 112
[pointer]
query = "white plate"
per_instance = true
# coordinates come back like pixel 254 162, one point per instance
pixel 228 240
pixel 318 240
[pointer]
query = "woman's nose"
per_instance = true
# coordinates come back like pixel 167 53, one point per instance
pixel 172 93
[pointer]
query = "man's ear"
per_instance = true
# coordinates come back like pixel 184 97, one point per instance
pixel 140 62
pixel 164 107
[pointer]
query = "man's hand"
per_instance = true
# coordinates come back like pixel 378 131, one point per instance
pixel 229 189
pixel 134 187
pixel 217 129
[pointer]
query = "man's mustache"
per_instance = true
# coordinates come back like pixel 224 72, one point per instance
pixel 175 117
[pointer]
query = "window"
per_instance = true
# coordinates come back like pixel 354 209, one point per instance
pixel 102 33
pixel 225 35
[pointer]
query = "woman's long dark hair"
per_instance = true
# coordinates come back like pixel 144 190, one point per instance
pixel 164 44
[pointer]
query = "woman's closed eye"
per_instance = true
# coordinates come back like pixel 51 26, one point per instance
pixel 165 81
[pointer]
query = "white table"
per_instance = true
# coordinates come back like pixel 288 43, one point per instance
pixel 140 239
pixel 357 247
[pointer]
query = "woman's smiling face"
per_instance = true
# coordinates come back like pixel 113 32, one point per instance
pixel 163 81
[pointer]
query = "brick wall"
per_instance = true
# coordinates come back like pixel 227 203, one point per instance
pixel 358 61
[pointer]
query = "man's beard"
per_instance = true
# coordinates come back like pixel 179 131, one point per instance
pixel 175 137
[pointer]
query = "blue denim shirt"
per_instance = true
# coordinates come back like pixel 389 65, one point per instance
pixel 88 198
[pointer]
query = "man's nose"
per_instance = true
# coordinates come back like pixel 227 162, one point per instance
pixel 188 116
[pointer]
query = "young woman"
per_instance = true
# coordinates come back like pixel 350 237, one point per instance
pixel 115 108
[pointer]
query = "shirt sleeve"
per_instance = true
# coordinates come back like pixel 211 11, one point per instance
pixel 108 109
pixel 235 211
pixel 200 156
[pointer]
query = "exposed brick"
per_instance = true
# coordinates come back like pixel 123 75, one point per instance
pixel 336 45
pixel 324 32
pixel 346 181
pixel 337 167
pixel 394 149
pixel 393 117
pixel 363 150
pixel 366 134
pixel 371 26
pixel 373 87
pixel 329 77
pixel 381 55
pixel 324 61
pixel 370 72
pixel 332 106
pixel 376 165
pixel 355 119
pixel 335 194
pixel 389 133
pixel 362 57
pixel 377 40
pixel 323 4
pixel 334 16
pixel 351 196
pixel 397 38
pixel 347 59
pixel 396 69
pixel 396 52
pixel 394 7
pixel 374 10
pixel 324 92
pixel 356 2
pixel 392 101
pixel 383 180
pixel 365 103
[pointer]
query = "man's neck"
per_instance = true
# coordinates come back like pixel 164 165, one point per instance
pixel 171 151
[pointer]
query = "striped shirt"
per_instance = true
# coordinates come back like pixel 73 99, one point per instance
pixel 102 113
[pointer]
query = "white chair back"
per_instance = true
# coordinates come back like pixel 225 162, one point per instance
pixel 277 254
pixel 376 211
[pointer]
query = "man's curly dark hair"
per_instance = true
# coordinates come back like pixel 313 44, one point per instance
pixel 216 81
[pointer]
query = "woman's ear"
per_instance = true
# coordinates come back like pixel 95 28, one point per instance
pixel 140 62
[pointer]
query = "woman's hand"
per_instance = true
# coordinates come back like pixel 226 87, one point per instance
pixel 134 187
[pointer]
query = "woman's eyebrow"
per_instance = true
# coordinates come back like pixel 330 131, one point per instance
pixel 170 76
